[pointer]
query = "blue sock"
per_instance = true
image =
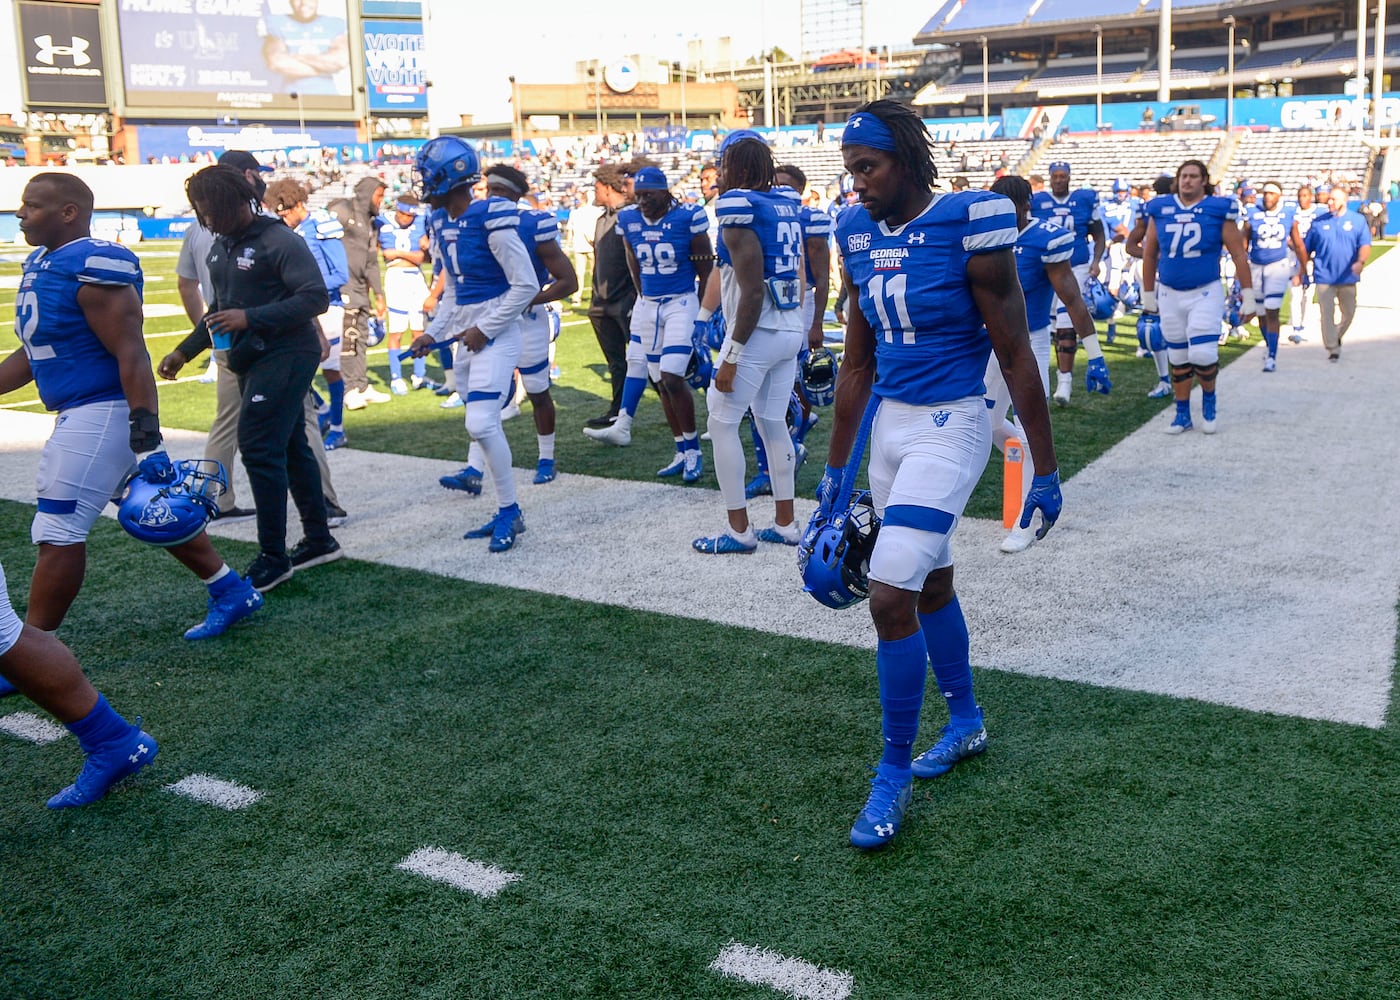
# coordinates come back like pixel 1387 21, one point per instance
pixel 221 585
pixel 1183 408
pixel 760 453
pixel 632 390
pixel 1271 339
pixel 336 390
pixel 945 635
pixel 101 725
pixel 691 441
pixel 902 665
pixel 445 358
pixel 395 365
pixel 680 446
pixel 420 368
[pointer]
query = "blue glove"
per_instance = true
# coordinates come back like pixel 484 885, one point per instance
pixel 1096 376
pixel 827 492
pixel 1044 496
pixel 156 468
pixel 701 334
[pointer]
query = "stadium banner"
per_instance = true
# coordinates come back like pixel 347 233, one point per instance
pixel 286 55
pixel 180 142
pixel 1320 112
pixel 396 67
pixel 392 8
pixel 62 54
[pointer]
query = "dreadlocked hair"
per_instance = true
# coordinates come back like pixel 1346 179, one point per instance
pixel 224 192
pixel 748 164
pixel 913 146
pixel 1018 189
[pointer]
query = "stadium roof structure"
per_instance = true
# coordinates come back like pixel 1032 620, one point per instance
pixel 970 20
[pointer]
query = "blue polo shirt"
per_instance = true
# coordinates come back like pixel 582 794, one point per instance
pixel 1332 243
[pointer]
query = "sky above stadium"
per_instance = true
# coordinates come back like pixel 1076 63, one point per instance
pixel 475 48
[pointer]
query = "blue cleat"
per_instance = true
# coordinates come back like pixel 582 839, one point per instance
pixel 509 524
pixel 544 471
pixel 452 402
pixel 674 468
pixel 800 434
pixel 799 454
pixel 694 466
pixel 106 766
pixel 759 486
pixel 777 535
pixel 235 605
pixel 335 439
pixel 444 390
pixel 1208 413
pixel 1096 376
pixel 1162 390
pixel 954 745
pixel 421 382
pixel 726 544
pixel 879 821
pixel 1180 424
pixel 323 419
pixel 468 481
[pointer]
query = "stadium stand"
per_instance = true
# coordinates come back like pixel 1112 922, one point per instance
pixel 1077 76
pixel 1095 160
pixel 1293 157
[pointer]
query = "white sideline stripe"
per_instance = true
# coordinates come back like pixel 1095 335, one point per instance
pixel 462 873
pixel 792 976
pixel 214 791
pixel 32 728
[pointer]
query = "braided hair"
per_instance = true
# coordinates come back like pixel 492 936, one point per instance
pixel 913 144
pixel 1018 189
pixel 748 164
pixel 224 192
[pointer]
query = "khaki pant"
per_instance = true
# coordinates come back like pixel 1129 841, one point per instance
pixel 223 433
pixel 1329 297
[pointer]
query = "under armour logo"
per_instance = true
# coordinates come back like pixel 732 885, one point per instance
pixel 884 829
pixel 141 751
pixel 77 51
pixel 916 237
pixel 856 123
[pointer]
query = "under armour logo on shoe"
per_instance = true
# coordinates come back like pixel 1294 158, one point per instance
pixel 884 829
pixel 141 751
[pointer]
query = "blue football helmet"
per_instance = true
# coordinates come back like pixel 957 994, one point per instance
pixel 1120 184
pixel 445 163
pixel 739 135
pixel 819 370
pixel 375 336
pixel 1150 332
pixel 714 335
pixel 835 564
pixel 1098 299
pixel 700 368
pixel 167 514
pixel 1130 294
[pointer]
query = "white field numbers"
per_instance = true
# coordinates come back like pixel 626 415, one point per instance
pixel 894 286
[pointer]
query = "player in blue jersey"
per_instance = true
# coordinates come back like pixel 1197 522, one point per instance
pixel 932 279
pixel 1043 251
pixel 1304 213
pixel 311 50
pixel 78 316
pixel 1077 212
pixel 668 249
pixel 759 283
pixel 401 245
pixel 1119 214
pixel 539 231
pixel 1181 255
pixel 493 283
pixel 1274 251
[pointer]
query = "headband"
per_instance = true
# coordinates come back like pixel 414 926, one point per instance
pixel 1059 165
pixel 504 182
pixel 1271 186
pixel 405 208
pixel 865 129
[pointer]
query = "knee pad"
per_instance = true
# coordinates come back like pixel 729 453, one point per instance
pixel 1183 373
pixel 1207 372
pixel 1066 340
pixel 1204 355
pixel 484 418
pixel 903 556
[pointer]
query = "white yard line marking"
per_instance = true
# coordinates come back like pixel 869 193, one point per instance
pixel 32 728
pixel 791 976
pixel 214 791
pixel 462 873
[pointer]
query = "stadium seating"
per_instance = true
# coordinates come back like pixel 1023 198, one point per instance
pixel 1097 159
pixel 1294 156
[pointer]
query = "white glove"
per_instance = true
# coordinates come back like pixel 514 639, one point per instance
pixel 1149 300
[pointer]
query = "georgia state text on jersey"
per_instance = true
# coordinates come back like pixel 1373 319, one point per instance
pixel 475 274
pixel 538 227
pixel 773 217
pixel 1072 213
pixel 931 345
pixel 70 365
pixel 1268 233
pixel 662 247
pixel 1190 238
pixel 1040 243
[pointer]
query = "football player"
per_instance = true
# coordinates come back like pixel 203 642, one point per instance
pixel 37 665
pixel 760 284
pixel 494 282
pixel 1119 213
pixel 1181 251
pixel 668 250
pixel 1077 212
pixel 539 230
pixel 1303 215
pixel 934 278
pixel 401 246
pixel 1274 250
pixel 1163 185
pixel 78 316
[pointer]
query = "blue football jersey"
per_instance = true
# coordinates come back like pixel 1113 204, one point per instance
pixel 405 239
pixel 1268 234
pixel 471 267
pixel 1118 214
pixel 71 366
pixel 1190 238
pixel 772 216
pixel 931 345
pixel 816 224
pixel 325 236
pixel 662 247
pixel 537 227
pixel 315 37
pixel 1040 243
pixel 1072 213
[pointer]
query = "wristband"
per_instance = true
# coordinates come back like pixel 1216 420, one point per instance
pixel 703 316
pixel 1247 303
pixel 733 353
pixel 145 431
pixel 1149 300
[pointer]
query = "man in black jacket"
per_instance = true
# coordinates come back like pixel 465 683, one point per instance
pixel 267 293
pixel 614 295
pixel 365 290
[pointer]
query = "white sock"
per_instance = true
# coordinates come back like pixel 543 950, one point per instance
pixel 546 445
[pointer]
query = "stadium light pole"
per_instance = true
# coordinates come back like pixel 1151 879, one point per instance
pixel 1230 76
pixel 986 94
pixel 301 123
pixel 1359 80
pixel 597 100
pixel 1378 84
pixel 517 127
pixel 1098 77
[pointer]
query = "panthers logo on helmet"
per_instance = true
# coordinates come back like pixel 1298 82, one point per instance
pixel 835 560
pixel 819 371
pixel 1098 299
pixel 167 514
pixel 700 369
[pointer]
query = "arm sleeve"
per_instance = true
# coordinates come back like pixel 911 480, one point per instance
pixel 300 276
pixel 514 259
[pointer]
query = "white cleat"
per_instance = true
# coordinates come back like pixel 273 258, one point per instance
pixel 1061 396
pixel 615 435
pixel 1018 539
pixel 372 395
